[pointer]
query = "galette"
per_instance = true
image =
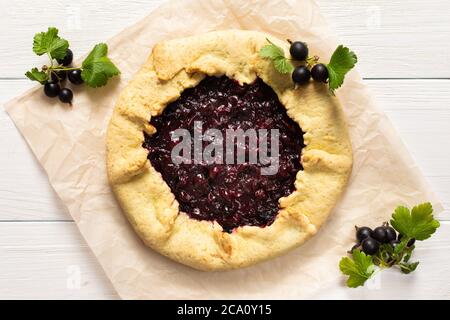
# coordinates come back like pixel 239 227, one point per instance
pixel 219 161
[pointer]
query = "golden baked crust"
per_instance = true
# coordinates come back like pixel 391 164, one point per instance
pixel 149 203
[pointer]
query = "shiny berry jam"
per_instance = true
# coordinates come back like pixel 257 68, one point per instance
pixel 232 194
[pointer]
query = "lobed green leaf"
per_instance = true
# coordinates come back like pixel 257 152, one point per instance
pixel 49 42
pixel 97 68
pixel 36 75
pixel 341 62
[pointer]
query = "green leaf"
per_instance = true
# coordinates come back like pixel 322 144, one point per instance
pixel 49 42
pixel 383 255
pixel 401 246
pixel 387 248
pixel 283 65
pixel 97 68
pixel 385 251
pixel 276 54
pixel 359 269
pixel 401 219
pixel 341 62
pixel 36 75
pixel 408 267
pixel 408 253
pixel 418 224
pixel 271 51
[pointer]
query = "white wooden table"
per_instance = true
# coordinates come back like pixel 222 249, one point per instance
pixel 404 56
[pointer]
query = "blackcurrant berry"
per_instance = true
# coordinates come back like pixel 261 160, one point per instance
pixel 58 76
pixel 65 95
pixel 379 234
pixel 410 242
pixel 75 76
pixel 362 233
pixel 301 75
pixel 299 50
pixel 51 89
pixel 319 72
pixel 370 246
pixel 67 60
pixel 390 233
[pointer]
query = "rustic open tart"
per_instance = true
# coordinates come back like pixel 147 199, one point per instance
pixel 219 217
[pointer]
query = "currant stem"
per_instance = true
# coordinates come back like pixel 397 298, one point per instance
pixel 63 69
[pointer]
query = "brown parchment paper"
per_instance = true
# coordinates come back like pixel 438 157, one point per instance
pixel 70 145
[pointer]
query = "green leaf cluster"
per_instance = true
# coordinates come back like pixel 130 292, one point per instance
pixel 417 223
pixel 96 69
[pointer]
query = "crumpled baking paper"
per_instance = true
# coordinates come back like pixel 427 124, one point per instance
pixel 69 143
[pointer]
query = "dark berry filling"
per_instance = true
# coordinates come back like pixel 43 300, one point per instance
pixel 232 194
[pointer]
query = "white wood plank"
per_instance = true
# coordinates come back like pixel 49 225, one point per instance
pixel 49 259
pixel 395 39
pixel 418 108
pixel 84 23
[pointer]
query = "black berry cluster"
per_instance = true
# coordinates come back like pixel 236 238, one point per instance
pixel 369 240
pixel 54 87
pixel 302 74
